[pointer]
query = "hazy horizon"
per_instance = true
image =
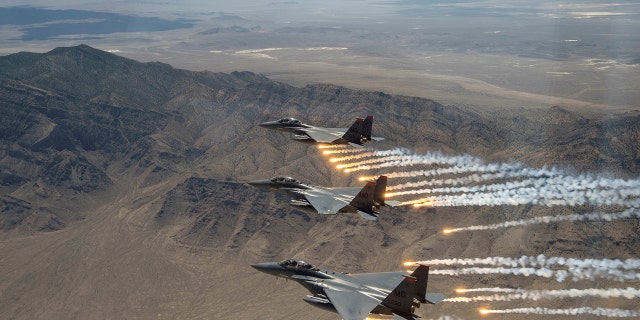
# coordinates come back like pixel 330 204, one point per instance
pixel 574 53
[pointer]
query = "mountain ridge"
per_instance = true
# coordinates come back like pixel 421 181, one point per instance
pixel 123 190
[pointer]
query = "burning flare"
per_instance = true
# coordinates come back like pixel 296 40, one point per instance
pixel 409 263
pixel 330 146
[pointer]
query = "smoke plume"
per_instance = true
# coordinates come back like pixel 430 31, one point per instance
pixel 603 312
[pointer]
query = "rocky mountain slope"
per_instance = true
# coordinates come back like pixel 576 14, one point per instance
pixel 122 191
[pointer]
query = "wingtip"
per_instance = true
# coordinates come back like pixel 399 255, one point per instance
pixel 391 203
pixel 434 298
pixel 368 216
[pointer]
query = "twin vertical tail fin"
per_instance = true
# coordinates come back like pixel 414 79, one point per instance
pixel 364 201
pixel 380 194
pixel 367 124
pixel 360 132
pixel 381 189
pixel 422 276
pixel 354 133
pixel 412 291
pixel 371 198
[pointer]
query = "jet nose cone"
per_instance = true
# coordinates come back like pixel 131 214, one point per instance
pixel 268 267
pixel 269 124
pixel 260 266
pixel 260 183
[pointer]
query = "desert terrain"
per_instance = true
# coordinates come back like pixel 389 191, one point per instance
pixel 124 162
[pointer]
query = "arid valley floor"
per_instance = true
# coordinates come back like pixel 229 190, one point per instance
pixel 124 163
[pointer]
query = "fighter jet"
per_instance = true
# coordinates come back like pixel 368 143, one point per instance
pixel 322 200
pixel 357 135
pixel 354 296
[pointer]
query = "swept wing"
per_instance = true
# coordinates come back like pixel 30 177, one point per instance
pixel 325 202
pixel 324 135
pixel 335 200
pixel 382 280
pixel 351 305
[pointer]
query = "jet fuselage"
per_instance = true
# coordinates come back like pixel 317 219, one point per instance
pixel 354 296
pixel 316 281
pixel 357 135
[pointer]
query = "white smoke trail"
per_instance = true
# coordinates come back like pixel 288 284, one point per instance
pixel 505 171
pixel 371 161
pixel 353 157
pixel 392 161
pixel 472 178
pixel 502 169
pixel 493 290
pixel 544 186
pixel 595 216
pixel 481 188
pixel 576 269
pixel 535 295
pixel 559 275
pixel 604 312
pixel 551 195
pixel 341 151
pixel 402 157
pixel 482 173
pixel 624 187
pixel 537 261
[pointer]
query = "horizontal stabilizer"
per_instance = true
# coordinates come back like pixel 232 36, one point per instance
pixel 351 305
pixel 407 317
pixel 434 298
pixel 392 203
pixel 356 145
pixel 368 216
pixel 377 138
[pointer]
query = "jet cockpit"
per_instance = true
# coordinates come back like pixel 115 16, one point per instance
pixel 284 179
pixel 290 121
pixel 296 264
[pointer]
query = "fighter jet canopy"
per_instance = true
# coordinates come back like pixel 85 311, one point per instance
pixel 284 179
pixel 295 264
pixel 291 121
